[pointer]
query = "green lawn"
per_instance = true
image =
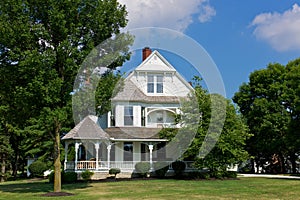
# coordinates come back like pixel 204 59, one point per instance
pixel 245 188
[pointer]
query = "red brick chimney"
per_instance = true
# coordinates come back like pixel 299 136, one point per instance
pixel 146 52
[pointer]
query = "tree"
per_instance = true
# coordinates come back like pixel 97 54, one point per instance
pixel 269 104
pixel 42 45
pixel 208 115
pixel 229 146
pixel 5 147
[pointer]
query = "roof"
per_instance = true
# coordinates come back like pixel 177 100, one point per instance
pixel 87 129
pixel 134 133
pixel 132 93
pixel 154 62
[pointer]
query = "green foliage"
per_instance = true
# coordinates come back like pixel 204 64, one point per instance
pixel 114 171
pixel 42 46
pixel 230 174
pixel 86 175
pixel 142 168
pixel 168 133
pixel 178 167
pixel 67 177
pixel 270 104
pixel 37 168
pixel 160 169
pixel 221 133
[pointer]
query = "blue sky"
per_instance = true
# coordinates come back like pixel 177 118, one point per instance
pixel 240 36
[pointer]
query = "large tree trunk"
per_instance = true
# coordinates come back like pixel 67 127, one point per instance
pixel 2 158
pixel 57 164
pixel 293 158
pixel 15 164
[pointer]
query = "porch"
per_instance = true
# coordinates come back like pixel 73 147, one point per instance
pixel 104 166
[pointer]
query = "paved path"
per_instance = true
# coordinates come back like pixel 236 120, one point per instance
pixel 269 176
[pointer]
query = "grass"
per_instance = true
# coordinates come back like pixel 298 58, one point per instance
pixel 245 188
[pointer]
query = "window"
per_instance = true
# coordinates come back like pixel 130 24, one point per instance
pixel 150 84
pixel 128 151
pixel 155 83
pixel 159 84
pixel 128 115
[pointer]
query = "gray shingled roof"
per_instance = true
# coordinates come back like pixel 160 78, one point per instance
pixel 132 93
pixel 87 129
pixel 133 133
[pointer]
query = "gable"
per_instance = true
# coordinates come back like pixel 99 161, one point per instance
pixel 155 62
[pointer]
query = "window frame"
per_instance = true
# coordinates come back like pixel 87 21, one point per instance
pixel 128 115
pixel 155 84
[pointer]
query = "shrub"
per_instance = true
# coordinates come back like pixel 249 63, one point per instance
pixel 86 175
pixel 114 171
pixel 69 177
pixel 230 174
pixel 37 168
pixel 160 169
pixel 217 174
pixel 51 177
pixel 178 167
pixel 142 168
pixel 66 177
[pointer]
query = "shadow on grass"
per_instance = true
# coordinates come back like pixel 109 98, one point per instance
pixel 37 186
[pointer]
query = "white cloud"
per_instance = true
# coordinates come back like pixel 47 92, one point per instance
pixel 280 30
pixel 174 14
pixel 206 13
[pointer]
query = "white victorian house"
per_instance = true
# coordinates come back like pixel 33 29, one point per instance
pixel 128 134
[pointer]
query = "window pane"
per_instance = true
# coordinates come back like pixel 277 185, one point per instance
pixel 159 79
pixel 150 79
pixel 159 88
pixel 150 87
pixel 128 120
pixel 128 115
pixel 128 110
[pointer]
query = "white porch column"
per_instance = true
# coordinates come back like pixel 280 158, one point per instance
pixel 76 154
pixel 66 155
pixel 108 156
pixel 150 151
pixel 97 155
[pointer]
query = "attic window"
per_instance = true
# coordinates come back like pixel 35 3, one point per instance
pixel 155 83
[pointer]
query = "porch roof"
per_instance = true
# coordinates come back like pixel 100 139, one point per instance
pixel 134 134
pixel 132 93
pixel 87 129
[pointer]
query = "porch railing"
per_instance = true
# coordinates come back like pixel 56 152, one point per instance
pixel 123 165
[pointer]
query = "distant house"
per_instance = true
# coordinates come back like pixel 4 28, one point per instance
pixel 149 101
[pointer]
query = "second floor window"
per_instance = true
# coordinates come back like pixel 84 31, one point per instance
pixel 128 115
pixel 155 83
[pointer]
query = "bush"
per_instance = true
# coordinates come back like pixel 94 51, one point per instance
pixel 160 169
pixel 198 175
pixel 86 175
pixel 230 174
pixel 217 174
pixel 51 177
pixel 142 168
pixel 66 177
pixel 114 171
pixel 37 168
pixel 69 177
pixel 178 167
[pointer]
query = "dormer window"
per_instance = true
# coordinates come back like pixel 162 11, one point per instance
pixel 155 83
